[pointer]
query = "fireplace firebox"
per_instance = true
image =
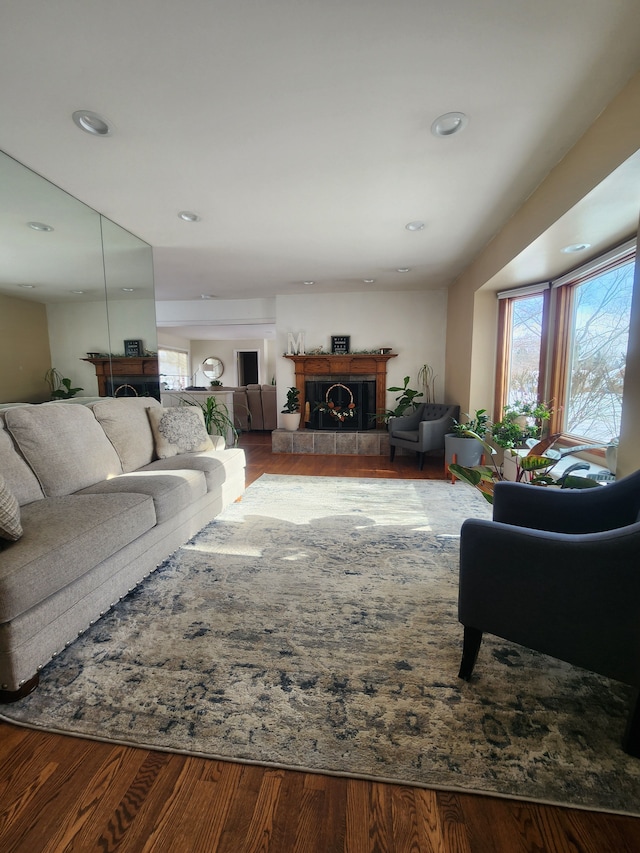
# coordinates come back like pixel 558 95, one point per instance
pixel 347 404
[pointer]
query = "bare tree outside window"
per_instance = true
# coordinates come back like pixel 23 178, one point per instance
pixel 600 335
pixel 526 340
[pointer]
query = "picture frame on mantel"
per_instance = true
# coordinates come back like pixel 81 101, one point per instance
pixel 133 349
pixel 340 344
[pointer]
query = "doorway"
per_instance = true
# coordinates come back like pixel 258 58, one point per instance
pixel 247 366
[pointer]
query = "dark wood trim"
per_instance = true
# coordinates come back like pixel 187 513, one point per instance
pixel 9 696
pixel 560 355
pixel 107 367
pixel 505 315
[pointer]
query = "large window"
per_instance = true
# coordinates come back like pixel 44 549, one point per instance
pixel 525 349
pixel 598 334
pixel 174 369
pixel 567 344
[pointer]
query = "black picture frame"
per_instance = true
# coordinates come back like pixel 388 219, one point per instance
pixel 133 348
pixel 340 344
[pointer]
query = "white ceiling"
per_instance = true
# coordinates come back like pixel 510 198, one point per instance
pixel 299 130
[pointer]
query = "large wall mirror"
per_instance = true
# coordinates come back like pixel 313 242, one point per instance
pixel 71 283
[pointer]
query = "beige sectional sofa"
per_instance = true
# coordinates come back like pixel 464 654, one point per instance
pixel 97 511
pixel 254 407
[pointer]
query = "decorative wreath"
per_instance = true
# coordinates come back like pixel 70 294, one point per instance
pixel 125 391
pixel 339 413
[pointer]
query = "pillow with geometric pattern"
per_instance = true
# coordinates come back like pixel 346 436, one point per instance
pixel 10 527
pixel 178 429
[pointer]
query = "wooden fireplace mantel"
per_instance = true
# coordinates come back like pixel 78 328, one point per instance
pixel 122 366
pixel 342 365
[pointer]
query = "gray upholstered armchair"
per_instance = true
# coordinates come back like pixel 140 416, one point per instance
pixel 558 571
pixel 423 430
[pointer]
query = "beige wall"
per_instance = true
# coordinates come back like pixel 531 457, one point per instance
pixel 413 324
pixel 24 351
pixel 472 314
pixel 226 352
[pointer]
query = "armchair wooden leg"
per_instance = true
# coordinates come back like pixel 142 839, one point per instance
pixel 470 649
pixel 420 461
pixel 631 739
pixel 392 452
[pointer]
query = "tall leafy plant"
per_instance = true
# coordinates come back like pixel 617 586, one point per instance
pixel 405 401
pixel 216 416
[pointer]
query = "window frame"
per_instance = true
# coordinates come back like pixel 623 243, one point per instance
pixel 181 351
pixel 556 337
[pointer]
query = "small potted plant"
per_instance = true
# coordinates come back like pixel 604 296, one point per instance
pixel 520 421
pixel 59 385
pixel 464 444
pixel 290 415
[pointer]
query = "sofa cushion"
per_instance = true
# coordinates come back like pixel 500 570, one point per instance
pixel 10 527
pixel 178 429
pixel 65 446
pixel 127 426
pixel 65 537
pixel 20 478
pixel 170 492
pixel 215 465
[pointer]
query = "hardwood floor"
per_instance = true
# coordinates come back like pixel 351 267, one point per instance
pixel 67 794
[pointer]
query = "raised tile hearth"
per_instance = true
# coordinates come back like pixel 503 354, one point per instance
pixel 331 442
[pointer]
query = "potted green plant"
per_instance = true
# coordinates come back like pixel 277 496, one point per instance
pixel 59 385
pixel 216 417
pixel 520 421
pixel 427 378
pixel 534 468
pixel 464 444
pixel 290 415
pixel 405 402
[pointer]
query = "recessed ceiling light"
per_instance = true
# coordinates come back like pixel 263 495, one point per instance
pixel 403 269
pixel 91 123
pixel 76 291
pixel 575 247
pixel 128 289
pixel 449 123
pixel 188 216
pixel 40 226
pixel 28 286
pixel 415 226
pixel 308 283
pixel 207 296
pixel 368 280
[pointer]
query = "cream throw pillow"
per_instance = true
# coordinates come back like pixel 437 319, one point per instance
pixel 178 429
pixel 10 527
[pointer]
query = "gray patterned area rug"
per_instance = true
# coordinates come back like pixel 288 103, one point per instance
pixel 313 626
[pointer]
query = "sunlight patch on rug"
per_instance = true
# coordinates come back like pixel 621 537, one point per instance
pixel 313 625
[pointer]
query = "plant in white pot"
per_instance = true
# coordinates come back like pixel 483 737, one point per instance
pixel 463 445
pixel 290 415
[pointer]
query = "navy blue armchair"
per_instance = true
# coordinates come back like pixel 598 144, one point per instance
pixel 558 571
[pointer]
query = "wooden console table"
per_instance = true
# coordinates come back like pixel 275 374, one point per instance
pixel 333 366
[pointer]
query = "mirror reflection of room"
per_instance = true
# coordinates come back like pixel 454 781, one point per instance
pixel 72 283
